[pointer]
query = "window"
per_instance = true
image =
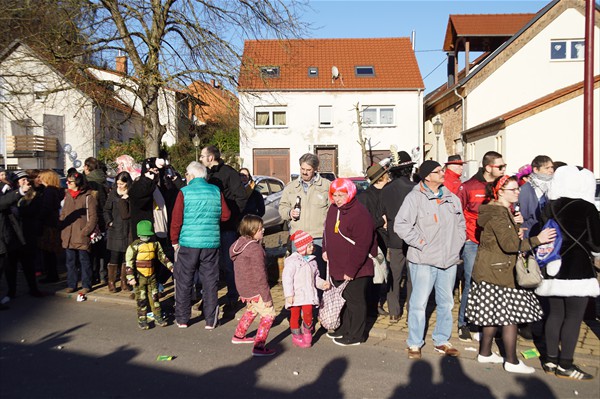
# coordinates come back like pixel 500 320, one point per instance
pixel 378 116
pixel 269 71
pixel 325 116
pixel 567 50
pixel 270 117
pixel 313 72
pixel 364 71
pixel 40 91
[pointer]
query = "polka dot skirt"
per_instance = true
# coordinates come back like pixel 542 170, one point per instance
pixel 492 305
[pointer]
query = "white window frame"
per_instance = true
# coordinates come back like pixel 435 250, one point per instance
pixel 40 92
pixel 378 117
pixel 324 112
pixel 271 111
pixel 569 49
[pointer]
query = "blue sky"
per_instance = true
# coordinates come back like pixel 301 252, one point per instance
pixel 429 19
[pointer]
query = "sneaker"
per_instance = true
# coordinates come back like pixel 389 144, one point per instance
pixel 207 327
pixel 159 321
pixel 181 325
pixel 345 342
pixel 262 351
pixel 447 349
pixel 519 368
pixel 143 324
pixel 549 367
pixel 414 352
pixel 333 335
pixel 493 358
pixel 573 373
pixel 246 340
pixel 464 334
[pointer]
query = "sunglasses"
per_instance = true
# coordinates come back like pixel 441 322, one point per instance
pixel 500 167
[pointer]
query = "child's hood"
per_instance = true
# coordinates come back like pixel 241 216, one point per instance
pixel 240 246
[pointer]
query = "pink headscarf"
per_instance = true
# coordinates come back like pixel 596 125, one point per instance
pixel 345 185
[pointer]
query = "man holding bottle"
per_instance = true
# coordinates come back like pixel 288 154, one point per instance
pixel 312 193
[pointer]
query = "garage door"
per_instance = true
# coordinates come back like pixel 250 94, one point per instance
pixel 272 162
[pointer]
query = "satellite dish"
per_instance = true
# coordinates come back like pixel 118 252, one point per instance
pixel 335 73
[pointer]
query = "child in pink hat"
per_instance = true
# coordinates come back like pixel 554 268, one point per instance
pixel 300 282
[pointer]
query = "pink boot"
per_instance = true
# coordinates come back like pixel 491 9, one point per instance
pixel 297 338
pixel 244 324
pixel 263 331
pixel 306 335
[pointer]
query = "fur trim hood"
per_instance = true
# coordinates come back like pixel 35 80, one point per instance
pixel 572 182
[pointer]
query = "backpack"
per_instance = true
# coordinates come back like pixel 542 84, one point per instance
pixel 549 254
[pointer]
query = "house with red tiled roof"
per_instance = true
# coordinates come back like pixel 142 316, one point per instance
pixel 319 95
pixel 523 96
pixel 43 107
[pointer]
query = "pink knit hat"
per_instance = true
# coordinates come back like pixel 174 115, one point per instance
pixel 301 241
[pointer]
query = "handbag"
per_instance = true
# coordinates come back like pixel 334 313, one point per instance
pixel 331 306
pixel 380 267
pixel 528 270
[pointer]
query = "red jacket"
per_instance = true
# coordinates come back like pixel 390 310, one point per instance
pixel 472 195
pixel 452 181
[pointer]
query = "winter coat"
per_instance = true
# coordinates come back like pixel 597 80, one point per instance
pixel 498 247
pixel 29 212
pixel 301 279
pixel 255 204
pixel 117 215
pixel 51 204
pixel 576 276
pixel 531 209
pixel 97 182
pixel 472 194
pixel 250 270
pixel 141 200
pixel 314 205
pixel 77 222
pixel 11 231
pixel 371 198
pixel 393 196
pixel 201 215
pixel 344 257
pixel 434 228
pixel 229 182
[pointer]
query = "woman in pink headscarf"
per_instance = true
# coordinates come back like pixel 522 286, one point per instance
pixel 348 241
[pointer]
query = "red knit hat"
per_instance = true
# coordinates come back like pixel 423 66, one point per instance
pixel 301 241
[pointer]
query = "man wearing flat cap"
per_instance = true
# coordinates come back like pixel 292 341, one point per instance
pixel 371 199
pixel 431 222
pixel 453 171
pixel 392 198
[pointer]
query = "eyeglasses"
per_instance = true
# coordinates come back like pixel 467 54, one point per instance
pixel 512 189
pixel 70 181
pixel 438 171
pixel 500 167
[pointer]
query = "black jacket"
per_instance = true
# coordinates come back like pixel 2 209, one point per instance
pixel 11 231
pixel 392 198
pixel 371 199
pixel 229 182
pixel 141 200
pixel 117 215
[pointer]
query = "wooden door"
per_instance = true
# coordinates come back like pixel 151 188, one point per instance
pixel 273 162
pixel 327 159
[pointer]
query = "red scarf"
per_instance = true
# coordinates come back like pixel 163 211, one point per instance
pixel 74 193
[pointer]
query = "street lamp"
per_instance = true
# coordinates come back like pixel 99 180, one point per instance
pixel 196 142
pixel 437 130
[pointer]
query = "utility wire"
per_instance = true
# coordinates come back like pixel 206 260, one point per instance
pixel 434 69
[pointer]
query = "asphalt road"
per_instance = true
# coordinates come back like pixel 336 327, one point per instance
pixel 56 348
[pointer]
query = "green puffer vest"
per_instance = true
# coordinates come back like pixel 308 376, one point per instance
pixel 201 215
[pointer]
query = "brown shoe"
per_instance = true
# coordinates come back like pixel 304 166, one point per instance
pixel 448 350
pixel 414 352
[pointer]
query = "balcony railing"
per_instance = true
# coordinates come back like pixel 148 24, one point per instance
pixel 31 146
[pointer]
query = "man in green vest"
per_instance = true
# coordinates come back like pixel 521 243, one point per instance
pixel 195 234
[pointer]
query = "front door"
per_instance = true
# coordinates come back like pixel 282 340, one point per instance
pixel 272 162
pixel 327 158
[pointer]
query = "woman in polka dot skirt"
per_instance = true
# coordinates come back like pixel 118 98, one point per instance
pixel 494 299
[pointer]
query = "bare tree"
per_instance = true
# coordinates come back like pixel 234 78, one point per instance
pixel 172 43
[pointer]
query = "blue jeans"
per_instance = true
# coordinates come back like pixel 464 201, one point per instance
pixel 86 268
pixel 469 253
pixel 228 237
pixel 424 279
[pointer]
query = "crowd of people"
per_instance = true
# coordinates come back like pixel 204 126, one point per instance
pixel 435 230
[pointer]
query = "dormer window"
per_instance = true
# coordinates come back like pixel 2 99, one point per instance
pixel 364 71
pixel 313 72
pixel 269 71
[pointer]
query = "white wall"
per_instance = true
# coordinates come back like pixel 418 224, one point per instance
pixel 530 74
pixel 303 132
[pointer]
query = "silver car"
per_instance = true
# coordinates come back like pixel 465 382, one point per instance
pixel 271 189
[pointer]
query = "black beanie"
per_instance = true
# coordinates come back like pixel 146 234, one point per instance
pixel 426 168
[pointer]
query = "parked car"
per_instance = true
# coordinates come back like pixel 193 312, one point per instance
pixel 271 189
pixel 360 182
pixel 328 175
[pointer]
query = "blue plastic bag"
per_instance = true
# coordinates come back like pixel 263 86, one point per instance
pixel 550 253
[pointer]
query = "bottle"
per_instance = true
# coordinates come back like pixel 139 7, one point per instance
pixel 298 206
pixel 164 358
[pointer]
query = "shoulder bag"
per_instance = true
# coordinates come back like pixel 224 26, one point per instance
pixel 527 269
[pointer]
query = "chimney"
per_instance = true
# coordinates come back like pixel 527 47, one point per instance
pixel 121 64
pixel 451 69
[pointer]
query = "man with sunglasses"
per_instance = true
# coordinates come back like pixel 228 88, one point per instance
pixel 472 195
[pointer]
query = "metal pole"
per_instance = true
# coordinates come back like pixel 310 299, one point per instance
pixel 588 88
pixel 437 148
pixel 196 154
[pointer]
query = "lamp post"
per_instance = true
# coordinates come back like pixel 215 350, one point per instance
pixel 196 142
pixel 437 130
